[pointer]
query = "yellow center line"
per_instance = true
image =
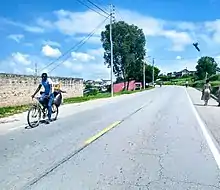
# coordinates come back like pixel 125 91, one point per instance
pixel 95 137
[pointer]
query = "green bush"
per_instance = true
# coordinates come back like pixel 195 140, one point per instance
pixel 168 83
pixel 215 83
pixel 215 90
pixel 88 86
pixel 215 78
pixel 92 92
pixel 197 84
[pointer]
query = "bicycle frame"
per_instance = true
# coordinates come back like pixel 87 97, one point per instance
pixel 40 105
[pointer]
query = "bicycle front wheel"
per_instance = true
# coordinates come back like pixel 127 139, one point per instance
pixel 34 112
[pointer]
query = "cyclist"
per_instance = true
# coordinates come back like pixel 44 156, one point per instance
pixel 47 94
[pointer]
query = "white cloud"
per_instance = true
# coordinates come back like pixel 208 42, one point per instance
pixel 16 37
pixel 72 23
pixel 76 25
pixel 88 71
pixel 29 44
pixel 44 23
pixel 83 57
pixel 96 52
pixel 186 26
pixel 29 28
pixel 29 70
pixel 214 28
pixel 177 65
pixel 180 39
pixel 92 40
pixel 178 57
pixel 75 66
pixel 51 43
pixel 24 64
pixel 157 27
pixel 21 58
pixel 89 65
pixel 51 52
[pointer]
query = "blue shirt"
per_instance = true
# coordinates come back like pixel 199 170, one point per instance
pixel 47 86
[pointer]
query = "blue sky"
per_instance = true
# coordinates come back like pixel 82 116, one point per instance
pixel 41 31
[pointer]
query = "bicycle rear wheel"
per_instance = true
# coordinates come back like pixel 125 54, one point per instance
pixel 55 112
pixel 34 112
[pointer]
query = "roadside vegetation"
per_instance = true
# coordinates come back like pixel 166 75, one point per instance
pixel 206 68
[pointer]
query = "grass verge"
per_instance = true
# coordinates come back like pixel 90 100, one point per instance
pixel 11 110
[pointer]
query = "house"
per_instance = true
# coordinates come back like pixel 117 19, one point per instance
pixel 171 75
pixel 181 73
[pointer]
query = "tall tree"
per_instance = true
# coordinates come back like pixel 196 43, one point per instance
pixel 149 73
pixel 129 49
pixel 206 65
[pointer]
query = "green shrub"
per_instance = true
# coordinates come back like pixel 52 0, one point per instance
pixel 92 92
pixel 215 83
pixel 215 90
pixel 197 84
pixel 215 78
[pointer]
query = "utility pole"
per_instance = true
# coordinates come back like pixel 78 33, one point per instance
pixel 144 82
pixel 35 72
pixel 111 42
pixel 153 72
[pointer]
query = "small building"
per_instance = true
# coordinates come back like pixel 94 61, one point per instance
pixel 184 72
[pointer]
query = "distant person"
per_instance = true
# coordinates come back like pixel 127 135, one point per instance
pixel 206 92
pixel 219 96
pixel 187 83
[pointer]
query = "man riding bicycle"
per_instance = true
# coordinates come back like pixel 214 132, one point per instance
pixel 47 95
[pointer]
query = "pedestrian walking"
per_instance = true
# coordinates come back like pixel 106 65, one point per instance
pixel 206 92
pixel 218 96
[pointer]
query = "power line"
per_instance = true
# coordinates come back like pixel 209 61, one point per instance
pixel 101 5
pixel 88 37
pixel 119 14
pixel 91 8
pixel 82 42
pixel 98 7
pixel 73 47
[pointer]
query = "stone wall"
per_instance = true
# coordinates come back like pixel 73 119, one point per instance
pixel 17 89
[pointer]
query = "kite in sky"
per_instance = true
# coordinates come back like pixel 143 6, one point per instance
pixel 196 46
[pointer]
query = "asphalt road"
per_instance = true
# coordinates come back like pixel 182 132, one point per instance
pixel 151 141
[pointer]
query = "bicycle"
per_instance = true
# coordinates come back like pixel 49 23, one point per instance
pixel 39 109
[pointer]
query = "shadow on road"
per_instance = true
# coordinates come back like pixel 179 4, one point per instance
pixel 41 122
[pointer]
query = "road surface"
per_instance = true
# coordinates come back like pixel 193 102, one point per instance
pixel 153 140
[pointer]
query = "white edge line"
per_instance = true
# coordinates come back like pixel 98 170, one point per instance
pixel 208 138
